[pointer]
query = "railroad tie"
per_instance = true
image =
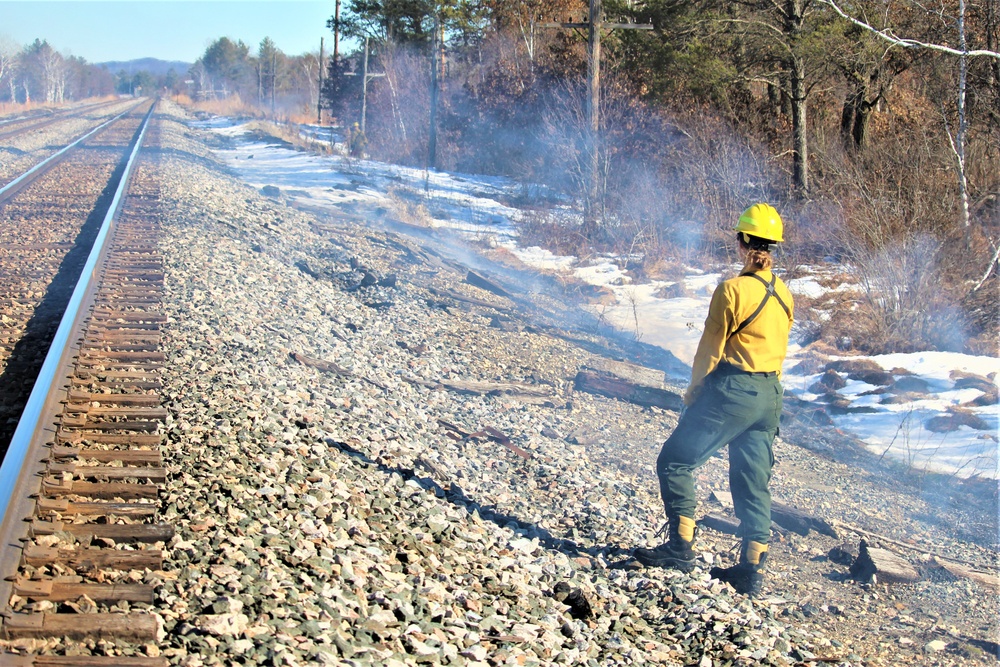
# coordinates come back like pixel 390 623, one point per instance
pixel 104 474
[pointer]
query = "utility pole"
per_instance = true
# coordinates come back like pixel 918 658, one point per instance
pixel 432 139
pixel 365 76
pixel 336 31
pixel 594 25
pixel 319 90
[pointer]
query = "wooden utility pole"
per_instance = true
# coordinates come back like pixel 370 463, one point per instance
pixel 432 138
pixel 319 91
pixel 594 25
pixel 336 31
pixel 365 76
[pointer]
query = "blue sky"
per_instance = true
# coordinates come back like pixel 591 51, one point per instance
pixel 165 29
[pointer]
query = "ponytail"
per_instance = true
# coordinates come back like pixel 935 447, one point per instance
pixel 758 252
pixel 759 260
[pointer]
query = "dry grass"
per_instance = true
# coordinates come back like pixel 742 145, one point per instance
pixel 543 229
pixel 407 209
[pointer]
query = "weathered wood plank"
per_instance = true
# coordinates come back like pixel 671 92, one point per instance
pixel 799 522
pixel 483 283
pixel 88 425
pixel 884 565
pixel 721 524
pixel 119 532
pixel 66 508
pixel 80 396
pixel 122 412
pixel 56 487
pixel 62 592
pixel 625 370
pixel 89 559
pixel 465 299
pixel 987 579
pixel 134 456
pixel 98 661
pixel 78 438
pixel 481 388
pixel 132 626
pixel 596 382
pixel 154 474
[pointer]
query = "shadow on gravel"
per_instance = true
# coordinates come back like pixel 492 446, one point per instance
pixel 456 496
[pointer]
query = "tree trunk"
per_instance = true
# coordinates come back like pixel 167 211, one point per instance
pixel 794 17
pixel 861 120
pixel 800 150
pixel 848 114
pixel 992 30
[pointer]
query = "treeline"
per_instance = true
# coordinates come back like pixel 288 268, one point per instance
pixel 268 78
pixel 38 74
pixel 883 154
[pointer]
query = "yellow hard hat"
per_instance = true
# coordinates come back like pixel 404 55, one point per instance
pixel 762 221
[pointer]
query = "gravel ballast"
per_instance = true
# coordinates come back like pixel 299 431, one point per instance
pixel 330 513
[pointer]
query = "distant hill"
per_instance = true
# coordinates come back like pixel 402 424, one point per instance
pixel 154 66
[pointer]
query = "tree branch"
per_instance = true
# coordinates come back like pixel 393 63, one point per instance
pixel 907 43
pixel 989 268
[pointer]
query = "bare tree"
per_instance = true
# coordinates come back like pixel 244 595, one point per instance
pixel 308 70
pixel 8 64
pixel 957 137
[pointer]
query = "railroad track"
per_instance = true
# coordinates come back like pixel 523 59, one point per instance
pixel 79 486
pixel 49 217
pixel 24 144
pixel 17 126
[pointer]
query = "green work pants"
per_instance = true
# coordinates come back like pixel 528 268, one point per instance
pixel 739 409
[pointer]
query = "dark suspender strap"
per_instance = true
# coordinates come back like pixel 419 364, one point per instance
pixel 768 293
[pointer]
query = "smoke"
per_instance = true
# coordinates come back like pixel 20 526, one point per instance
pixel 667 185
pixel 903 301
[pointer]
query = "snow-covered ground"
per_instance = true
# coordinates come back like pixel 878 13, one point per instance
pixel 472 206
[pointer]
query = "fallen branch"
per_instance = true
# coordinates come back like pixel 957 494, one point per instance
pixel 466 299
pixel 487 432
pixel 481 388
pixel 479 281
pixel 421 383
pixel 330 367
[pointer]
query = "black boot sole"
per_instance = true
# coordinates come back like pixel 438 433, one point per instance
pixel 743 582
pixel 664 561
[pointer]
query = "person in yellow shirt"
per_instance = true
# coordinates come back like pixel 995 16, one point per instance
pixel 734 398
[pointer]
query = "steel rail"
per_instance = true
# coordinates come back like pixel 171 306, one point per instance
pixel 11 127
pixel 14 483
pixel 39 168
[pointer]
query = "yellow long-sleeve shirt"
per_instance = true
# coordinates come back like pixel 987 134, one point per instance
pixel 760 347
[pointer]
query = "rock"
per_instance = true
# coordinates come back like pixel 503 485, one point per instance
pixel 935 646
pixel 223 625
